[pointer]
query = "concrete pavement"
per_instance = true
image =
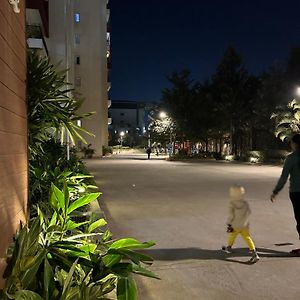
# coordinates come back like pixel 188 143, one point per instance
pixel 183 207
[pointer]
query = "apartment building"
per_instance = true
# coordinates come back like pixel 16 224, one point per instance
pixel 130 118
pixel 75 35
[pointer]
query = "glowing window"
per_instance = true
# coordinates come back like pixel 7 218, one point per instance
pixel 77 17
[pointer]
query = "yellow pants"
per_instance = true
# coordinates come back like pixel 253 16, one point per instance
pixel 245 235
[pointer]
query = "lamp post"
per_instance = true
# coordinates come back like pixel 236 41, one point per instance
pixel 163 115
pixel 122 133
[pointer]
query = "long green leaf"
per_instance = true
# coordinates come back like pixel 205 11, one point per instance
pixel 29 275
pixel 132 255
pixel 82 201
pixel 130 243
pixel 96 224
pixel 27 295
pixel 142 271
pixel 126 289
pixel 48 280
pixel 69 279
pixel 57 198
pixel 72 225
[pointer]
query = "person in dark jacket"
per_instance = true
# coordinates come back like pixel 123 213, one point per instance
pixel 291 169
pixel 148 151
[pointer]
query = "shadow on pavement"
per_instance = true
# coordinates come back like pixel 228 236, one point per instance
pixel 206 254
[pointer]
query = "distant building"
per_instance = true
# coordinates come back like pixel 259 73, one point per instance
pixel 75 34
pixel 130 117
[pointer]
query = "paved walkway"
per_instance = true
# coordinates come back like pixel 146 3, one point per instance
pixel 183 206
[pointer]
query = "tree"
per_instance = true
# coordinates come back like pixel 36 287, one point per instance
pixel 287 121
pixel 234 93
pixel 179 101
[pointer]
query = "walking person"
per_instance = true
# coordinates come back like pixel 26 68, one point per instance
pixel 148 151
pixel 238 221
pixel 291 169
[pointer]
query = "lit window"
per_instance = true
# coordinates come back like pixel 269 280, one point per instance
pixel 77 60
pixel 77 17
pixel 78 123
pixel 77 38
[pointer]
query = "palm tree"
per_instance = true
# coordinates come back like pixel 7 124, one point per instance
pixel 287 120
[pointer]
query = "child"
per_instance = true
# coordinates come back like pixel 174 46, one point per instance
pixel 238 221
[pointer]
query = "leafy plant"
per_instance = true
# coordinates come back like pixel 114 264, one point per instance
pixel 58 258
pixel 287 121
pixel 52 166
pixel 107 150
pixel 52 111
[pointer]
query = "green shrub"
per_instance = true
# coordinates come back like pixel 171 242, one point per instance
pixel 57 258
pixel 107 150
pixel 268 155
pixel 51 166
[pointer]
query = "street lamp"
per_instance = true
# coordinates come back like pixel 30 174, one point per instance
pixel 122 133
pixel 298 91
pixel 162 115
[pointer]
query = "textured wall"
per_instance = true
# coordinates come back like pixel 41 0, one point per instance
pixel 13 124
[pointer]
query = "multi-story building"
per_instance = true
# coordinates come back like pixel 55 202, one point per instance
pixel 77 39
pixel 129 118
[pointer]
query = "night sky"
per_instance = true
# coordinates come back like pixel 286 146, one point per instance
pixel 152 38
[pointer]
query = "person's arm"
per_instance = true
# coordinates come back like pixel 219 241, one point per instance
pixel 283 178
pixel 230 214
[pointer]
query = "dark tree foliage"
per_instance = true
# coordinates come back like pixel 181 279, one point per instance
pixel 233 106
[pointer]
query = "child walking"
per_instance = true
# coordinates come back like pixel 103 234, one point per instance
pixel 238 221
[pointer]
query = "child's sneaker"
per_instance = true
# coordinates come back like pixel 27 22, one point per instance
pixel 254 258
pixel 227 249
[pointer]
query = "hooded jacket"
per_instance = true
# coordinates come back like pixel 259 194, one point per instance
pixel 239 213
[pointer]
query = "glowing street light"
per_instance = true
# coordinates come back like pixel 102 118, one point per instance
pixel 122 134
pixel 162 115
pixel 298 91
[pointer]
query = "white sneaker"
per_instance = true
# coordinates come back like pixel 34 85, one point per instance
pixel 227 249
pixel 254 258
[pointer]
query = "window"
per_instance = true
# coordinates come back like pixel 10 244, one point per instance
pixel 77 60
pixel 77 17
pixel 77 39
pixel 121 114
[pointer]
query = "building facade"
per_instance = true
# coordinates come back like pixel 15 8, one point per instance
pixel 13 125
pixel 130 119
pixel 77 40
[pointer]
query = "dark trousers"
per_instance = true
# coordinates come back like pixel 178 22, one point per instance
pixel 295 198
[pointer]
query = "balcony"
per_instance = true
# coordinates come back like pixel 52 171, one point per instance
pixel 108 86
pixel 108 103
pixel 109 121
pixel 43 7
pixel 35 38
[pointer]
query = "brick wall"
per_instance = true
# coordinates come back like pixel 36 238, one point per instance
pixel 13 125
